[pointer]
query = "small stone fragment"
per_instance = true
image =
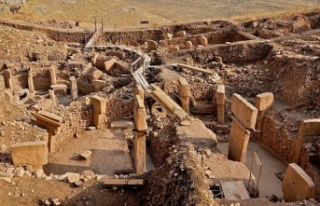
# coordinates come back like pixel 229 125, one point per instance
pixel 19 172
pixel 86 154
pixel 38 173
pixel 73 177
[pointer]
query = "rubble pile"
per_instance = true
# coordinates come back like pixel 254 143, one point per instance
pixel 181 181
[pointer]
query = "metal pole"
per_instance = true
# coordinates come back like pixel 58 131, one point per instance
pixel 95 23
pixel 250 171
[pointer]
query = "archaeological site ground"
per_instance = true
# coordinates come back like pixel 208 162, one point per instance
pixel 159 103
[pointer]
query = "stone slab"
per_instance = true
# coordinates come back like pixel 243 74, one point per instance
pixel 309 127
pixel 234 190
pixel 57 87
pixel 121 124
pixel 244 111
pixel 297 183
pixel 108 65
pixel 30 153
pixel 98 85
pixel 99 104
pixel 264 101
pixel 238 141
pixel 51 116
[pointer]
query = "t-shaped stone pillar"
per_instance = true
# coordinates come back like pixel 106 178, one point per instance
pixel 184 93
pixel 73 88
pixel 99 110
pixel 30 82
pixel 53 78
pixel 263 102
pixel 245 116
pixel 296 184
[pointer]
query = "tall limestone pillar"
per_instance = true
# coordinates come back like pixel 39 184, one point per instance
pixel 140 117
pixel 220 96
pixel 73 88
pixel 184 93
pixel 53 77
pixel 30 82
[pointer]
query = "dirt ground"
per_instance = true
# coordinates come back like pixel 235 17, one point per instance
pixel 131 12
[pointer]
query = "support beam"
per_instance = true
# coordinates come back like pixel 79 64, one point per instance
pixel 121 182
pixel 140 152
pixel 220 96
pixel 195 69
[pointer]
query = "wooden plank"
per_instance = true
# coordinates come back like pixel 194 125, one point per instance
pixel 196 69
pixel 155 87
pixel 121 182
pixel 170 105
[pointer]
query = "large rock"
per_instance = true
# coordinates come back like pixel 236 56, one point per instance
pixel 73 177
pixel 34 154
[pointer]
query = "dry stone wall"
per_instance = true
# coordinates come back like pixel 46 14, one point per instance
pixel 218 37
pixel 198 91
pixel 278 137
pixel 118 108
pixel 234 53
pixel 76 117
